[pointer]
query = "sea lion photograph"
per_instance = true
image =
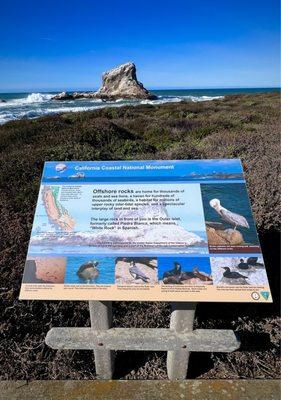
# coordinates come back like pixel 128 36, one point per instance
pixel 176 271
pixel 184 271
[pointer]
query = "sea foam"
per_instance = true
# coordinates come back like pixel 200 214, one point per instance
pixel 35 105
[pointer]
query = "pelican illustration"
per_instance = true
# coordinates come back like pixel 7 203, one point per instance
pixel 137 273
pixel 229 216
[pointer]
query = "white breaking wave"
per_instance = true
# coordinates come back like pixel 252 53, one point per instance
pixel 204 98
pixel 38 98
pixel 39 112
pixel 162 100
pixel 30 99
pixel 35 105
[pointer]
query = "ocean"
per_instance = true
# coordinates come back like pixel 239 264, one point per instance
pixel 33 105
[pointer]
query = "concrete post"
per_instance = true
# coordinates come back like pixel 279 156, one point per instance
pixel 182 318
pixel 101 319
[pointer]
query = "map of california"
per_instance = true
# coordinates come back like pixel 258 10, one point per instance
pixel 57 214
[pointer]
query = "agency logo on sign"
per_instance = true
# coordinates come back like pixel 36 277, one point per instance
pixel 255 296
pixel 60 167
pixel 265 295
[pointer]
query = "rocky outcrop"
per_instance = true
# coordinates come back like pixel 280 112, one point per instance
pixel 121 82
pixel 2 101
pixel 218 237
pixel 63 96
pixel 118 83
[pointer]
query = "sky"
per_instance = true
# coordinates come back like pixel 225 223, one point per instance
pixel 55 45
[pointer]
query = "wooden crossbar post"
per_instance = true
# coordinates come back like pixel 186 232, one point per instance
pixel 101 319
pixel 178 341
pixel 181 320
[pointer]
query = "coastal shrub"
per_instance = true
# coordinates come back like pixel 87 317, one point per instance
pixel 68 152
pixel 101 132
pixel 251 118
pixel 181 151
pixel 135 149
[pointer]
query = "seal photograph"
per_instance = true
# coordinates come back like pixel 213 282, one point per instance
pixel 184 271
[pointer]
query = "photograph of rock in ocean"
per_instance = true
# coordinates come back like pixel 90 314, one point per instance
pixel 136 271
pixel 184 271
pixel 228 215
pixel 239 270
pixel 44 270
pixel 90 270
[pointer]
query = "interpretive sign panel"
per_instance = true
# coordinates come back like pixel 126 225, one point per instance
pixel 144 230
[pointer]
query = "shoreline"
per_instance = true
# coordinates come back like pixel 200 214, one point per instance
pixel 20 106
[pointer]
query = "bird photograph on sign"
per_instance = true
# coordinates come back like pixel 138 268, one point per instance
pixel 228 216
pixel 89 270
pixel 237 271
pixel 136 270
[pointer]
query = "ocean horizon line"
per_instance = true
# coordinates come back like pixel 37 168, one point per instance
pixel 52 90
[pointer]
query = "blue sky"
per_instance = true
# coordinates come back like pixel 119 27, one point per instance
pixel 59 44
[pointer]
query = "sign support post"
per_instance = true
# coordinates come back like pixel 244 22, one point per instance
pixel 178 340
pixel 181 320
pixel 101 319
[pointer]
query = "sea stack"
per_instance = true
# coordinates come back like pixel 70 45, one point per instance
pixel 122 83
pixel 118 83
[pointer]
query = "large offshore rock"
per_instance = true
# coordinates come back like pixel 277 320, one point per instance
pixel 118 83
pixel 122 83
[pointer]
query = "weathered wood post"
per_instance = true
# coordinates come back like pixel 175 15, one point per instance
pixel 101 319
pixel 181 320
pixel 178 340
